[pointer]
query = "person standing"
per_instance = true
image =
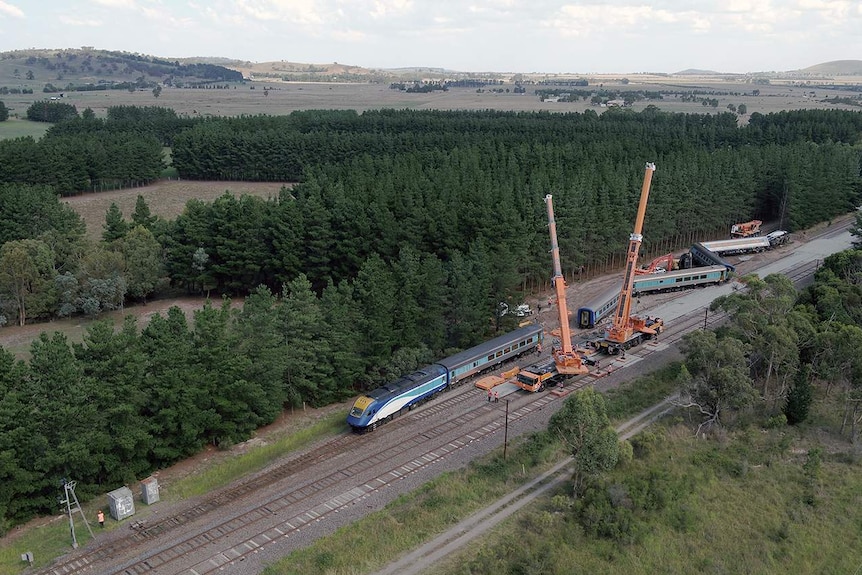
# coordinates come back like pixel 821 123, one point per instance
pixel 101 517
pixel 489 395
pixel 496 396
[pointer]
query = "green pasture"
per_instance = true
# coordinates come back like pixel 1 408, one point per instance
pixel 17 128
pixel 748 503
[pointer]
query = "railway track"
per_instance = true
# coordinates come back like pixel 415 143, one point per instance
pixel 479 523
pixel 283 507
pixel 277 503
pixel 446 437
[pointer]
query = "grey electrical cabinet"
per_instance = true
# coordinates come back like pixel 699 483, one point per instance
pixel 149 490
pixel 121 502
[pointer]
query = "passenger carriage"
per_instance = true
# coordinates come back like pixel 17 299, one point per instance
pixel 389 401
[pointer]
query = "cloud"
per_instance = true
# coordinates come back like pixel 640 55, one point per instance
pixel 832 11
pixel 73 21
pixel 165 18
pixel 730 18
pixel 7 9
pixel 385 8
pixel 128 4
pixel 302 12
pixel 350 35
pixel 589 19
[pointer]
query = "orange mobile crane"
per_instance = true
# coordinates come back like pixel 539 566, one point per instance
pixel 565 360
pixel 745 229
pixel 628 330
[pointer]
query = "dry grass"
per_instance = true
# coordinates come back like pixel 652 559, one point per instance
pixel 284 98
pixel 166 198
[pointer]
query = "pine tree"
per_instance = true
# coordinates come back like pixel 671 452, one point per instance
pixel 308 368
pixel 142 216
pixel 115 227
pixel 800 396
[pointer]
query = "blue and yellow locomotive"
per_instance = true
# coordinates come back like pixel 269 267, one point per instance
pixel 389 401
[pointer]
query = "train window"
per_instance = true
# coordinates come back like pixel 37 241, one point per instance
pixel 499 353
pixel 491 357
pixel 678 280
pixel 522 344
pixel 507 350
pixel 475 364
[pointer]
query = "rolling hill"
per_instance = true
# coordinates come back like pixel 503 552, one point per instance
pixel 835 68
pixel 88 68
pixel 73 68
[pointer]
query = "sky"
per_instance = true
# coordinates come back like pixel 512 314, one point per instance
pixel 550 36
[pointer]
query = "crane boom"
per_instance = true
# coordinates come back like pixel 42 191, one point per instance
pixel 624 325
pixel 567 361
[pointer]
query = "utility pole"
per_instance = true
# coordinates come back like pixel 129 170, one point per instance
pixel 72 505
pixel 506 431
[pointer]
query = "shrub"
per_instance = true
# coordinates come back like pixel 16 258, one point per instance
pixel 776 421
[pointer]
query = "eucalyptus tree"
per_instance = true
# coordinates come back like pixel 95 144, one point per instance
pixel 839 363
pixel 26 277
pixel 144 265
pixel 583 427
pixel 716 381
pixel 764 318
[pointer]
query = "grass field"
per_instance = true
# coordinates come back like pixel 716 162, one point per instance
pixel 750 502
pixel 284 98
pixel 17 128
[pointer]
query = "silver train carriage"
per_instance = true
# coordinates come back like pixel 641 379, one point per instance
pixel 595 311
pixel 681 279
